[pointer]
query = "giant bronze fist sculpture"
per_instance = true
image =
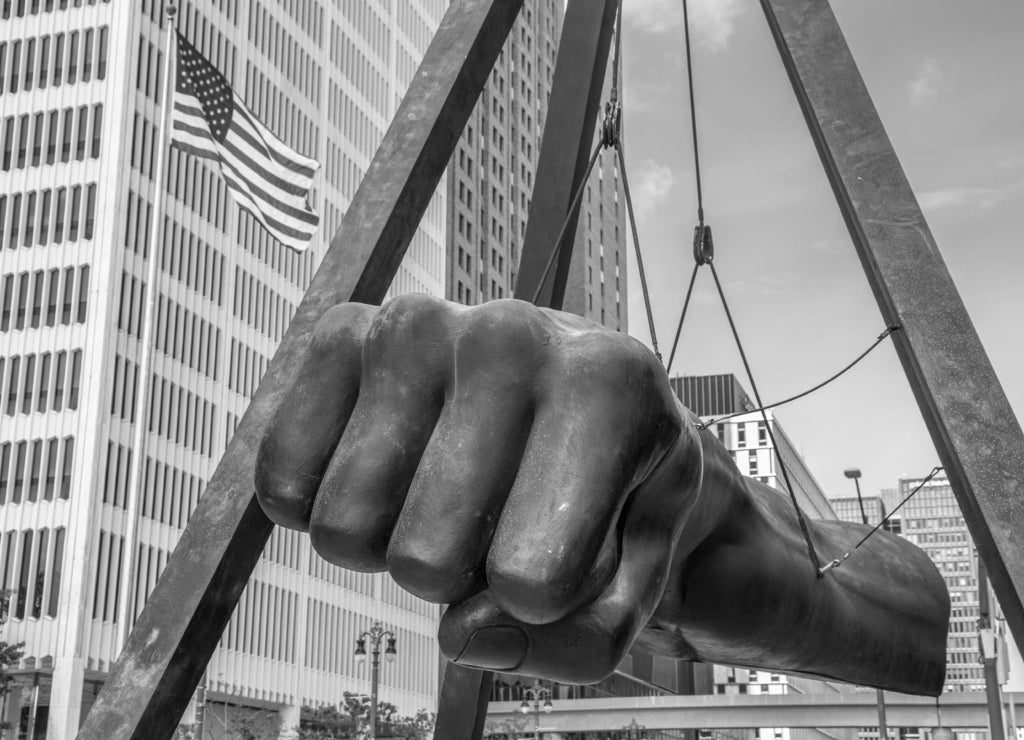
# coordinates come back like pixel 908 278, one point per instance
pixel 535 471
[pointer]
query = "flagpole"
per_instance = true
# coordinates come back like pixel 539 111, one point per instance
pixel 141 420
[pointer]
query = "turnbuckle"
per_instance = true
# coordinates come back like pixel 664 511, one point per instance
pixel 611 127
pixel 703 245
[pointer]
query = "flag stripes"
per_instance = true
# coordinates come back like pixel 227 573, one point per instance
pixel 265 176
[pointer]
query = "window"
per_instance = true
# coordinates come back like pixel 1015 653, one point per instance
pixel 69 456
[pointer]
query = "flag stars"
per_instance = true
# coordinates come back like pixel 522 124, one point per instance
pixel 210 87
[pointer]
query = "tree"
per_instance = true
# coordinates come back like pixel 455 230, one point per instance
pixel 419 727
pixel 10 654
pixel 352 721
pixel 262 724
pixel 324 723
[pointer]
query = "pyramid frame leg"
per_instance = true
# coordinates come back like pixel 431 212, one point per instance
pixel 973 427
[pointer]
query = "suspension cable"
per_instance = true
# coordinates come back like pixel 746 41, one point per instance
pixel 682 318
pixel 618 52
pixel 839 561
pixel 639 256
pixel 573 210
pixel 611 137
pixel 771 434
pixel 889 330
pixel 693 115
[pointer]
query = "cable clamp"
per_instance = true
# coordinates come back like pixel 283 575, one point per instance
pixel 889 330
pixel 611 127
pixel 703 245
pixel 829 566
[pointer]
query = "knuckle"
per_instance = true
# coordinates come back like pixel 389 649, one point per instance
pixel 286 497
pixel 503 329
pixel 341 327
pixel 410 326
pixel 612 360
pixel 432 574
pixel 535 595
pixel 347 545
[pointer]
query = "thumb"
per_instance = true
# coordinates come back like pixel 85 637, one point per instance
pixel 584 647
pixel 587 645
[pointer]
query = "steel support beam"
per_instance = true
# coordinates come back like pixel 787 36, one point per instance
pixel 168 650
pixel 566 148
pixel 743 711
pixel 462 706
pixel 565 151
pixel 974 430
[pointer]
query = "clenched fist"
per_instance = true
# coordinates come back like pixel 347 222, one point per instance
pixel 535 471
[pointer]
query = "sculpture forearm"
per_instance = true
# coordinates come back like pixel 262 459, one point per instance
pixel 747 594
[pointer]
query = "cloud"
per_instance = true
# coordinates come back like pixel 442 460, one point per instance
pixel 712 22
pixel 928 81
pixel 982 198
pixel 653 184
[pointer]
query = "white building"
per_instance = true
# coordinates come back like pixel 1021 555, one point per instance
pixel 80 121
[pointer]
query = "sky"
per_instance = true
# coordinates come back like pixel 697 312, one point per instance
pixel 947 78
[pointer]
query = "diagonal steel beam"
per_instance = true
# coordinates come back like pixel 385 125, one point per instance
pixel 575 103
pixel 566 147
pixel 970 420
pixel 150 686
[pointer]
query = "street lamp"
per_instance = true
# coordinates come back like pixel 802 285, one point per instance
pixel 883 730
pixel 376 634
pixel 855 474
pixel 536 692
pixel 634 731
pixel 940 732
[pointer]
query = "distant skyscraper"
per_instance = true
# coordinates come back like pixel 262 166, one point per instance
pixel 491 180
pixel 932 521
pixel 747 439
pixel 80 94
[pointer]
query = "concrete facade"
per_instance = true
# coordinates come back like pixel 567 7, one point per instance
pixel 491 180
pixel 81 125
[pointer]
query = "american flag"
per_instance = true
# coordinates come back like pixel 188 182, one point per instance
pixel 265 176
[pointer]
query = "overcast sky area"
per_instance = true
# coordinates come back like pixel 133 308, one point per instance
pixel 947 77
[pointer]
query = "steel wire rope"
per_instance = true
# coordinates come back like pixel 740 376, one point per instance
pixel 696 169
pixel 573 209
pixel 703 251
pixel 889 330
pixel 839 561
pixel 611 137
pixel 639 256
pixel 801 520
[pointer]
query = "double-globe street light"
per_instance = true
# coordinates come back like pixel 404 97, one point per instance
pixel 376 634
pixel 536 693
pixel 634 731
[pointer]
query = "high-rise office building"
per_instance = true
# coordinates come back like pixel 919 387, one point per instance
pixel 746 437
pixel 491 180
pixel 931 519
pixel 80 132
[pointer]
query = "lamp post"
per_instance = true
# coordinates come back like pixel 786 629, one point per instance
pixel 5 601
pixel 634 731
pixel 940 732
pixel 535 693
pixel 883 730
pixel 376 634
